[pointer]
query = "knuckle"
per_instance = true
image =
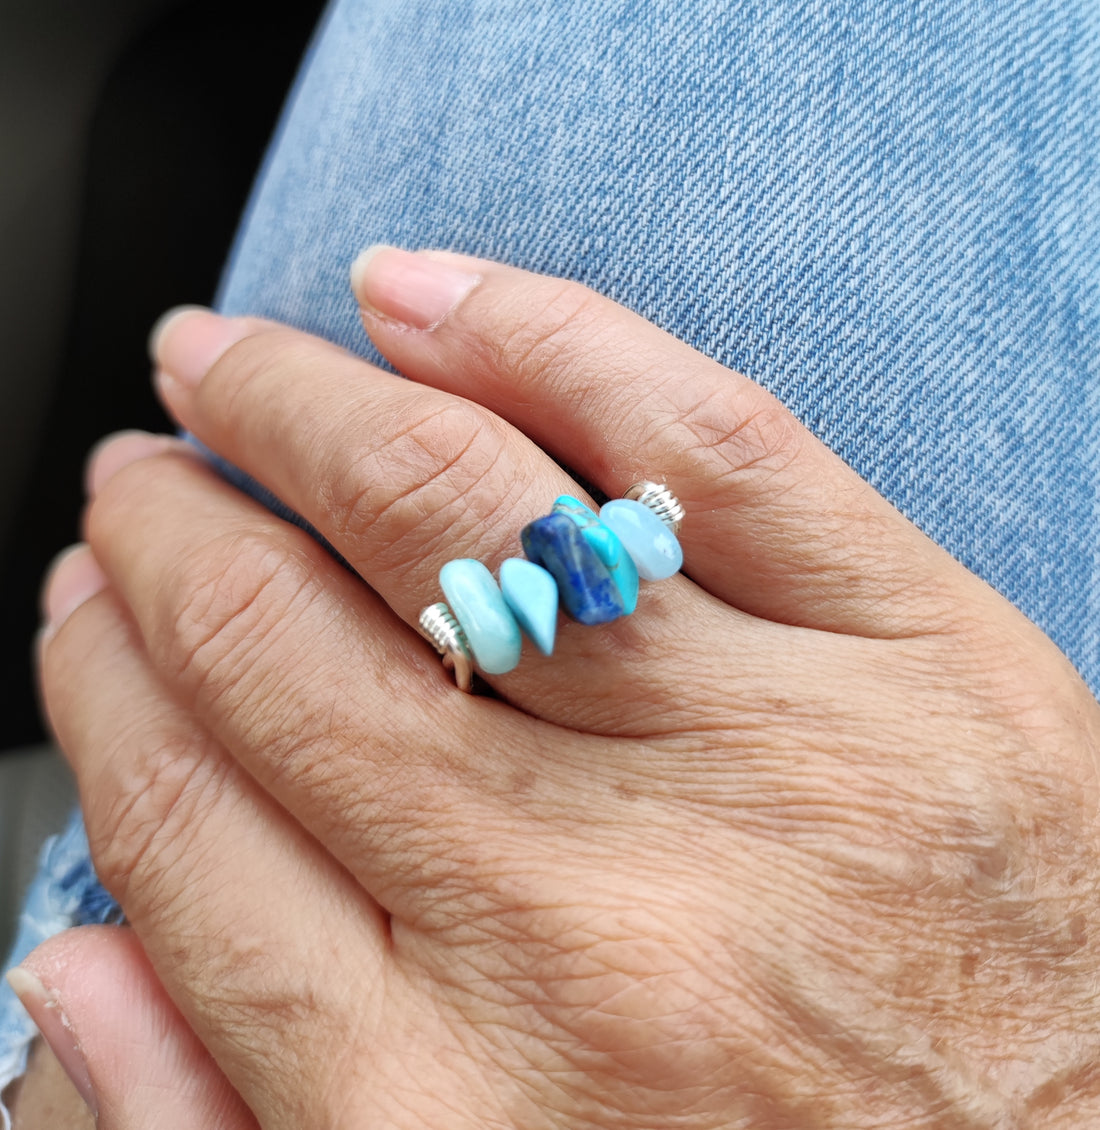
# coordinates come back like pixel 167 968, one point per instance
pixel 256 993
pixel 746 441
pixel 1023 690
pixel 632 989
pixel 232 388
pixel 234 596
pixel 557 325
pixel 435 471
pixel 143 824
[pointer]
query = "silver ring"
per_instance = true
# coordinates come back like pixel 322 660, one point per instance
pixel 600 557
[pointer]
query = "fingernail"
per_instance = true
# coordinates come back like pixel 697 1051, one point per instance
pixel 187 340
pixel 412 289
pixel 46 1011
pixel 114 452
pixel 73 577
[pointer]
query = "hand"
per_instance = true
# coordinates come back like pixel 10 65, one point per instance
pixel 810 840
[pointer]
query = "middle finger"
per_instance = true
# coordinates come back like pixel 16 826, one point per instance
pixel 305 676
pixel 401 478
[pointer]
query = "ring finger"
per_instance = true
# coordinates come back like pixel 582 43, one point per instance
pixel 400 479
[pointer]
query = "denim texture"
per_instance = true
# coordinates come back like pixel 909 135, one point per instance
pixel 886 212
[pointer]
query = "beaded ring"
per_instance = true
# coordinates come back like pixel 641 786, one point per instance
pixel 587 564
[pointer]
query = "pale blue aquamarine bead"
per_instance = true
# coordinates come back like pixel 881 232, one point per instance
pixel 609 549
pixel 479 606
pixel 651 544
pixel 532 595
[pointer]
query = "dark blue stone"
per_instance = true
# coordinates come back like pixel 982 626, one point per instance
pixel 588 592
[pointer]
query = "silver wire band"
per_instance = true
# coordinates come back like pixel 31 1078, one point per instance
pixel 658 498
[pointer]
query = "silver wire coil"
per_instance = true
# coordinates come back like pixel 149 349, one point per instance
pixel 658 498
pixel 439 626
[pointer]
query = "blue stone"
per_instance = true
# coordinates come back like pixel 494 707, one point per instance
pixel 583 515
pixel 478 605
pixel 587 591
pixel 611 552
pixel 609 549
pixel 650 543
pixel 531 594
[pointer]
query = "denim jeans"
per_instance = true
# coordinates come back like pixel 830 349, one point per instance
pixel 885 211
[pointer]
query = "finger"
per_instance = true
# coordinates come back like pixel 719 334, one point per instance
pixel 238 909
pixel 423 795
pixel 402 479
pixel 125 1046
pixel 44 1098
pixel 228 600
pixel 777 525
pixel 390 473
pixel 116 451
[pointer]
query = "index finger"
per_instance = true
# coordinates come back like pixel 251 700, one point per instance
pixel 779 526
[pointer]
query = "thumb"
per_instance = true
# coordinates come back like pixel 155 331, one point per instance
pixel 112 1027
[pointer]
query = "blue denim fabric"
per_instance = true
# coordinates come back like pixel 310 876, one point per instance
pixel 885 211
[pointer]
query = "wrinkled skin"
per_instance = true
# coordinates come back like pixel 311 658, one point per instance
pixel 809 841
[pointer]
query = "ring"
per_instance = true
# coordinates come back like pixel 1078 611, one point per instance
pixel 587 564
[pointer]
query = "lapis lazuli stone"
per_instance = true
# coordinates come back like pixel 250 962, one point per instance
pixel 609 549
pixel 530 592
pixel 587 591
pixel 651 544
pixel 478 605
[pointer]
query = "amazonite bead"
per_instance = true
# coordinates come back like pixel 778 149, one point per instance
pixel 651 544
pixel 479 606
pixel 532 595
pixel 609 549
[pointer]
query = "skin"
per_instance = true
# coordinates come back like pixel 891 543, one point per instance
pixel 150 1069
pixel 46 1097
pixel 809 841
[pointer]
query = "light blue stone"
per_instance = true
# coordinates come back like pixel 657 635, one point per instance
pixel 532 595
pixel 650 543
pixel 609 549
pixel 479 607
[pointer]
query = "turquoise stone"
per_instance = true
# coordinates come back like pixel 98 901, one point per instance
pixel 650 543
pixel 479 607
pixel 585 586
pixel 609 549
pixel 583 515
pixel 531 594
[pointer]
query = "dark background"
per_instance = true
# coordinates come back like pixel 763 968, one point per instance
pixel 130 131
